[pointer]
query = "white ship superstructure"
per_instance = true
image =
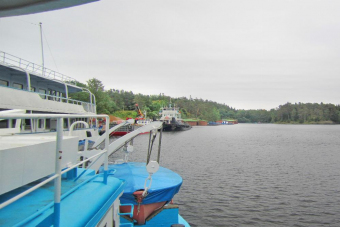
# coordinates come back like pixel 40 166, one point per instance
pixel 26 87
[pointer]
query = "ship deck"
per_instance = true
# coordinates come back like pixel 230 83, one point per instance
pixel 82 202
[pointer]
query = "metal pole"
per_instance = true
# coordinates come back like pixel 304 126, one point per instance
pixel 28 77
pixel 66 92
pixel 106 162
pixel 149 149
pixel 31 121
pixel 94 104
pixel 160 143
pixel 57 181
pixel 42 50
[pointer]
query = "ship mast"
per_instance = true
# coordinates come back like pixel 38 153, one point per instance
pixel 42 50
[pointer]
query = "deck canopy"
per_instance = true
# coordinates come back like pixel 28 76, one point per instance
pixel 10 8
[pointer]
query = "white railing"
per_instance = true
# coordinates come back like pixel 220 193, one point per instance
pixel 88 107
pixel 31 67
pixel 58 172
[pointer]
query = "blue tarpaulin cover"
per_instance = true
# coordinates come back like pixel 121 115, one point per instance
pixel 165 183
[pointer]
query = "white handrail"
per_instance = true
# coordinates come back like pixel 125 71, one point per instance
pixel 59 138
pixel 12 200
pixel 34 68
pixel 29 67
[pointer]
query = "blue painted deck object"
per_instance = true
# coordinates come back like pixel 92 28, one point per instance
pixel 83 203
pixel 165 183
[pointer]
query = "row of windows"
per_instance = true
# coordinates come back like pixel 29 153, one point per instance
pixel 15 85
pixel 4 83
pixel 49 124
pixel 33 89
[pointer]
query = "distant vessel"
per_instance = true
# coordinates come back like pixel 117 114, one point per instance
pixel 122 131
pixel 171 118
pixel 141 120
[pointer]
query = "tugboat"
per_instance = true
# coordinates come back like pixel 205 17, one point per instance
pixel 171 118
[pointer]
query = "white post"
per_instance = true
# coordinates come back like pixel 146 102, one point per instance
pixel 57 181
pixel 106 162
pixel 66 92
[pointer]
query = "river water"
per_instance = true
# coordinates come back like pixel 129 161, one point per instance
pixel 254 174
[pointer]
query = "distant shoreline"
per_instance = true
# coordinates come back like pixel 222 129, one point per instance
pixel 295 123
pixel 309 123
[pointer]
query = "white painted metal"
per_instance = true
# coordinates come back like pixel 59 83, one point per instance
pixel 4 204
pixel 41 78
pixel 11 129
pixel 116 206
pixel 23 7
pixel 45 116
pixel 107 142
pixel 106 221
pixel 124 139
pixel 11 61
pixel 74 124
pixel 26 158
pixel 59 156
pixel 28 78
pixel 19 99
pixel 102 137
pixel 42 50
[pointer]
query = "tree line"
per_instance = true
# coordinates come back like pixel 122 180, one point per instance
pixel 122 104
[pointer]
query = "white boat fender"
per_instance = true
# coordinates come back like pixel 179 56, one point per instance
pixel 152 168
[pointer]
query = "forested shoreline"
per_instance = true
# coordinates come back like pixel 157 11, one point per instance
pixel 122 104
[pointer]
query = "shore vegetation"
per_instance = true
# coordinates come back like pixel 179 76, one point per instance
pixel 122 104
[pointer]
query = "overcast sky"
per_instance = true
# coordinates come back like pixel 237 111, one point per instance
pixel 244 53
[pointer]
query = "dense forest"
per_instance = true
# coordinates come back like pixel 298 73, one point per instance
pixel 123 104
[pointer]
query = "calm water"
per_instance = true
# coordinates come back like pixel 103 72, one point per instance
pixel 254 175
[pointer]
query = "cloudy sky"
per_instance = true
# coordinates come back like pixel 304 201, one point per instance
pixel 244 53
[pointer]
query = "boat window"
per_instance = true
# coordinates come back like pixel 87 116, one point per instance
pixel 41 123
pixel 33 89
pixel 42 92
pixel 18 86
pixel 14 121
pixel 27 124
pixel 62 95
pixel 4 83
pixel 4 124
pixel 65 123
pixel 52 93
pixel 48 123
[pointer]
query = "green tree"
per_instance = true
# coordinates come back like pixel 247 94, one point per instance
pixel 105 105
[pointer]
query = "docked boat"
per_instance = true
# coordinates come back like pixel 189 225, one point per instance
pixel 171 118
pixel 47 179
pixel 122 131
pixel 142 119
pixel 116 129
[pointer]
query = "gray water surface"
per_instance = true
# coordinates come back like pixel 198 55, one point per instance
pixel 254 174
